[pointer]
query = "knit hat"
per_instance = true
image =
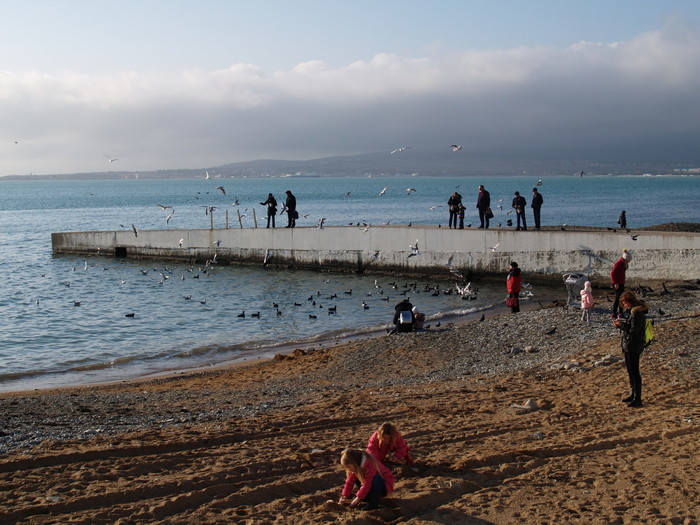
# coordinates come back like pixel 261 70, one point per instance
pixel 627 256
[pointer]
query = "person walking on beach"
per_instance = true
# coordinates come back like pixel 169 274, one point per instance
pixel 586 302
pixel 483 204
pixel 519 204
pixel 536 204
pixel 513 287
pixel 388 443
pixel 622 220
pixel 454 202
pixel 633 326
pixel 271 204
pixel 374 479
pixel 617 278
pixel 291 205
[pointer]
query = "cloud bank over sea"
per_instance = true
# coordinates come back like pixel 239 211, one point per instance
pixel 627 100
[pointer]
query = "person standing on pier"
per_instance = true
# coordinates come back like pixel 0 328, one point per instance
pixel 271 204
pixel 483 204
pixel 519 204
pixel 291 205
pixel 454 202
pixel 536 204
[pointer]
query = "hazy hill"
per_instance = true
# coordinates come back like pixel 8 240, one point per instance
pixel 426 163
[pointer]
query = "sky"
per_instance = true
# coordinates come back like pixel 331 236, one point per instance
pixel 175 84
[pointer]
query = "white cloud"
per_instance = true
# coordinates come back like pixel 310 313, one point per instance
pixel 587 99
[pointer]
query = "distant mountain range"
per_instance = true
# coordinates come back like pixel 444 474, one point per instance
pixel 408 162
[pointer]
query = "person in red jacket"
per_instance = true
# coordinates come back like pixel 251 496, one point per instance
pixel 617 278
pixel 513 286
pixel 388 443
pixel 375 480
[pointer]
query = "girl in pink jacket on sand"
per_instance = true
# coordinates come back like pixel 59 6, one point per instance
pixel 586 301
pixel 374 479
pixel 387 443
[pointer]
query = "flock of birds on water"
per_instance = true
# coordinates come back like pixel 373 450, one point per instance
pixel 315 303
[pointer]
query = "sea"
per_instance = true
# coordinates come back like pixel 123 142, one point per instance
pixel 70 320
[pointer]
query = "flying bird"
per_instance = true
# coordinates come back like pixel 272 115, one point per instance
pixel 493 248
pixel 206 176
pixel 221 189
pixel 170 216
pixel 414 250
pixel 410 190
pixel 163 207
pixel 400 150
pixel 455 147
pixel 110 159
pixel 539 182
pixel 180 242
pixel 136 232
pixel 383 190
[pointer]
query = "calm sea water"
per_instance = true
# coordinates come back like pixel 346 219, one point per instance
pixel 185 317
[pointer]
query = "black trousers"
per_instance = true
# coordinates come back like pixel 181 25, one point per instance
pixel 616 303
pixel 483 219
pixel 536 213
pixel 632 364
pixel 270 218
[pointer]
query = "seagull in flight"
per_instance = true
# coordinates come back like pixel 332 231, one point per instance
pixel 180 242
pixel 436 206
pixel 136 232
pixel 455 147
pixel 539 183
pixel 221 189
pixel 170 216
pixel 401 149
pixel 163 207
pixel 493 248
pixel 206 176
pixel 383 190
pixel 410 190
pixel 110 159
pixel 414 250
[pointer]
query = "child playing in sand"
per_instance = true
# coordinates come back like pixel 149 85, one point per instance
pixel 586 302
pixel 375 480
pixel 388 443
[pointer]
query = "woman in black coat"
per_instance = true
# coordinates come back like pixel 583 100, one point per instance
pixel 632 325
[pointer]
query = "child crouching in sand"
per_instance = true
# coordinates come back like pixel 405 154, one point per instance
pixel 375 480
pixel 387 443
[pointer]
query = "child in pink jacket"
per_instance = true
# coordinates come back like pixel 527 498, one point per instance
pixel 374 479
pixel 586 301
pixel 388 443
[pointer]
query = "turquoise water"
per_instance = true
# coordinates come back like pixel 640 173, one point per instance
pixel 46 340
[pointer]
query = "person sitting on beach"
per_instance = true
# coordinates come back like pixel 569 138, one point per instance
pixel 387 443
pixel 403 317
pixel 418 318
pixel 374 479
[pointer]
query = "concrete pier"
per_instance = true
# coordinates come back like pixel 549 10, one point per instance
pixel 543 255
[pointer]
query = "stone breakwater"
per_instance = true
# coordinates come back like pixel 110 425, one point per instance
pixel 416 250
pixel 476 350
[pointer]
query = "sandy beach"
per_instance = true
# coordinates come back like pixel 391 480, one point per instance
pixel 260 443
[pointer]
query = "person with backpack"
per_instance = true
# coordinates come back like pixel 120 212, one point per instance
pixel 633 325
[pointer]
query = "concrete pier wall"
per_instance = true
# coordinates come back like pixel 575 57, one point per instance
pixel 543 255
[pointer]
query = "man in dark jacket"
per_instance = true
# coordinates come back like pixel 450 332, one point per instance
pixel 483 203
pixel 536 204
pixel 291 204
pixel 519 204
